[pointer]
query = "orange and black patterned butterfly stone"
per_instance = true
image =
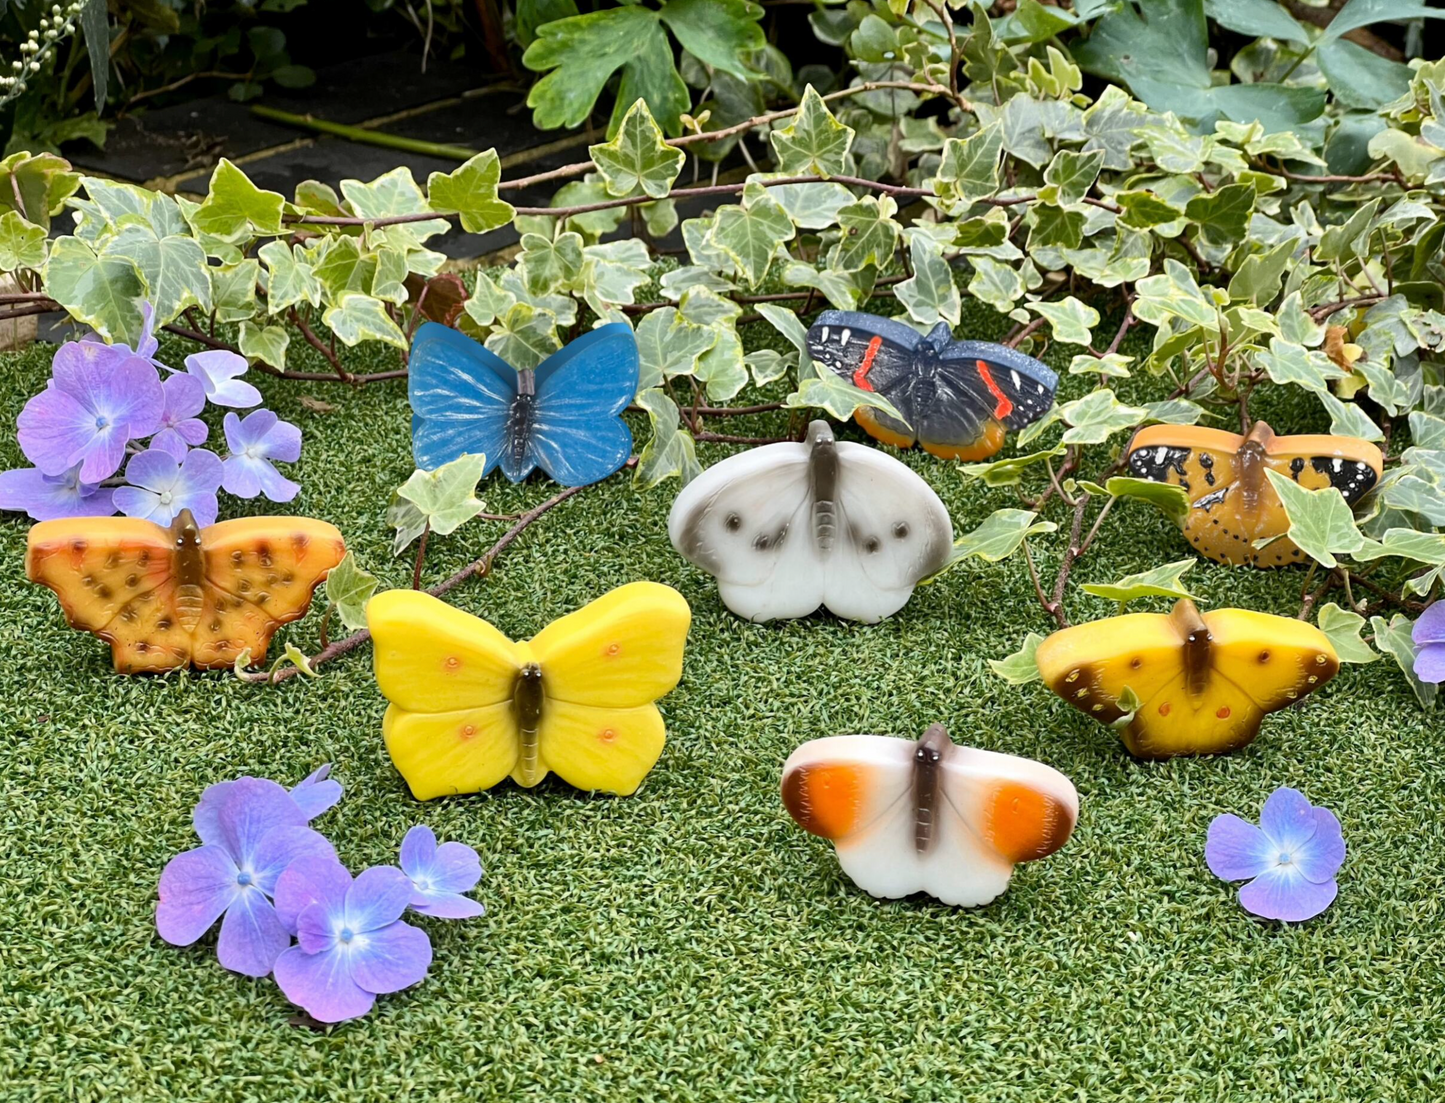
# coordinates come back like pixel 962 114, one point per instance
pixel 1233 507
pixel 165 598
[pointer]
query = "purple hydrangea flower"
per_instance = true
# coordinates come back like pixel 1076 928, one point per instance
pixel 440 874
pixel 49 497
pixel 162 487
pixel 1429 637
pixel 99 398
pixel 260 831
pixel 351 944
pixel 1290 859
pixel 180 428
pixel 255 441
pixel 313 795
pixel 217 370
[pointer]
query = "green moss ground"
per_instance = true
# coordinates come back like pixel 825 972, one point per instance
pixel 690 942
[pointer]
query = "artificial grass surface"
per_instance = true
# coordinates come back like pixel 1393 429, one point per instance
pixel 690 942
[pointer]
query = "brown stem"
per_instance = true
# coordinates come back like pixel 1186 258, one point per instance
pixel 724 438
pixel 1053 608
pixel 319 345
pixel 420 557
pixel 1320 313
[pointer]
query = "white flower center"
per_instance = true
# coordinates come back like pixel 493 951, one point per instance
pixel 167 497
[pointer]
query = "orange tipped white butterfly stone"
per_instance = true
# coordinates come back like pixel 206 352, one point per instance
pixel 1232 505
pixel 1203 683
pixel 929 815
pixel 168 597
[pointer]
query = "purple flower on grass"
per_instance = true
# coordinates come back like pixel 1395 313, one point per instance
pixel 217 370
pixel 260 831
pixel 180 428
pixel 313 795
pixel 162 487
pixel 1429 637
pixel 440 874
pixel 1290 859
pixel 49 497
pixel 255 441
pixel 99 398
pixel 351 944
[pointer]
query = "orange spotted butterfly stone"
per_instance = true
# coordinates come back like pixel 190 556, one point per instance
pixel 1203 683
pixel 182 595
pixel 1232 504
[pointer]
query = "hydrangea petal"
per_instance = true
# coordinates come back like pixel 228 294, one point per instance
pixel 282 442
pixel 196 888
pixel 152 469
pixel 316 792
pixel 252 936
pixel 1236 850
pixel 1283 893
pixel 310 881
pixel 205 818
pixel 52 497
pixel 316 929
pixel 446 905
pixel 145 504
pixel 456 868
pixel 1320 858
pixel 418 848
pixel 322 985
pixel 376 898
pixel 217 370
pixel 1430 627
pixel 1430 662
pixel 1288 819
pixel 56 432
pixel 391 958
pixel 252 807
pixel 282 846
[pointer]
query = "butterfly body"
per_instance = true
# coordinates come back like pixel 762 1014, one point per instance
pixel 957 398
pixel 469 707
pixel 1204 682
pixel 563 416
pixel 928 815
pixel 789 527
pixel 182 595
pixel 1233 505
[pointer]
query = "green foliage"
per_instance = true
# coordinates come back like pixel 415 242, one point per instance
pixel 1165 580
pixel 349 587
pixel 1002 534
pixel 441 500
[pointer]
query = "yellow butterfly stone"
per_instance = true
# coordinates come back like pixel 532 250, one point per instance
pixel 469 707
pixel 1203 683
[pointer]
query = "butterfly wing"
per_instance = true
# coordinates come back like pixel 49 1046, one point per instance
pixel 461 398
pixel 449 677
pixel 1273 660
pixel 260 573
pixel 602 668
pixel 577 434
pixel 747 521
pixel 115 578
pixel 892 531
pixel 874 354
pixel 982 389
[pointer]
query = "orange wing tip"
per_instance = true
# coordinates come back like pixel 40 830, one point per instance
pixel 1023 823
pixel 990 441
pixel 878 431
pixel 824 798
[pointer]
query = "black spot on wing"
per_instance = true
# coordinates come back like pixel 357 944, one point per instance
pixel 1350 477
pixel 1154 462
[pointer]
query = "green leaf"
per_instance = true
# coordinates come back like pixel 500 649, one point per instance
pixel 930 295
pixel 297 658
pixel 95 30
pixel 291 279
pixel 969 170
pixel 1001 534
pixel 524 336
pixel 869 234
pixel 446 498
pixel 547 265
pixel 652 77
pixel 1173 500
pixel 36 186
pixel 638 161
pixel 1009 472
pixel 814 142
pixel 1222 215
pixel 349 587
pixel 838 397
pixel 1342 628
pixel 1070 319
pixel 1361 13
pixel 1257 279
pixel 1420 547
pixel 1143 209
pixel 1097 416
pixel 1112 364
pixel 669 345
pixel 719 33
pixel 1073 174
pixel 267 344
pixel 1175 294
pixel 22 244
pixel 1351 237
pixel 1256 18
pixel 355 318
pixel 1161 581
pixel 996 284
pixel 1348 420
pixel 105 293
pixel 233 290
pixel 1393 636
pixel 750 234
pixel 235 208
pixel 1020 668
pixel 471 191
pixel 669 451
pixel 1320 521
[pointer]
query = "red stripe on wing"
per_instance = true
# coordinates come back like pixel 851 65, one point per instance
pixel 1004 405
pixel 860 377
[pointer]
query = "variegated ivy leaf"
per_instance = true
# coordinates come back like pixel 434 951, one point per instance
pixel 1173 411
pixel 1020 668
pixel 930 295
pixel 1143 209
pixel 1223 214
pixel 349 587
pixel 388 282
pixel 547 265
pixel 488 301
pixel 669 345
pixel 751 233
pixel 355 318
pixel 1001 534
pixel 677 281
pixel 721 369
pixel 341 266
pixel 233 290
pixel 1174 293
pixel 1097 416
pixel 1393 636
pixel 442 500
pixel 814 142
pixel 839 288
pixel 1172 500
pixel 1110 125
pixel 290 278
pixel 1112 364
pixel 1348 420
pixel 471 191
pixel 704 307
pixel 869 234
pixel 697 234
pixel 1071 320
pixel 969 170
pixel 1162 581
pixel 786 322
pixel 524 336
pixel 811 206
pixel 235 208
pixel 22 244
pixel 264 343
pixel 837 396
pixel 1069 177
pixel 1010 472
pixel 637 161
pixel 105 292
pixel 394 193
pixel 1413 494
pixel 997 284
pixel 1258 276
pixel 1427 430
pixel 669 451
pixel 174 268
pixel 1342 627
pixel 1295 323
pixel 769 364
pixel 1419 547
pixel 1320 521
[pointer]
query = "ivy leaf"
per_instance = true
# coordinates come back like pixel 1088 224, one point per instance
pixel 838 397
pixel 722 368
pixel 1112 364
pixel 1257 278
pixel 1161 581
pixel 1393 636
pixel 233 290
pixel 1420 547
pixel 1174 293
pixel 1071 175
pixel 814 142
pixel 394 193
pixel 1097 416
pixel 291 279
pixel 786 322
pixel 1320 521
pixel 235 208
pixel 812 206
pixel 524 336
pixel 445 498
pixel 1001 534
pixel 751 233
pixel 174 268
pixel 1348 420
pixel 638 161
pixel 1222 215
pixel 1144 210
pixel 1021 667
pixel 839 288
pixel 930 294
pixel 1054 227
pixel 355 318
pixel 970 165
pixel 36 186
pixel 869 234
pixel 349 587
pixel 996 284
pixel 22 244
pixel 103 292
pixel 548 265
pixel 1173 411
pixel 1173 500
pixel 471 191
pixel 267 344
pixel 1071 320
pixel 668 345
pixel 1342 628
pixel 297 658
pixel 669 451
pixel 1010 472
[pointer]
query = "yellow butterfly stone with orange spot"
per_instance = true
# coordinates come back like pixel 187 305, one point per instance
pixel 1204 683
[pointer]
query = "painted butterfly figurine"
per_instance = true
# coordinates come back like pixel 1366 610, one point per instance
pixel 167 597
pixel 1203 683
pixel 788 527
pixel 563 416
pixel 956 397
pixel 469 707
pixel 1232 504
pixel 928 816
